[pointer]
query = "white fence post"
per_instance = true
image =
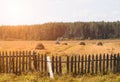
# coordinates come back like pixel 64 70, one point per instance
pixel 50 67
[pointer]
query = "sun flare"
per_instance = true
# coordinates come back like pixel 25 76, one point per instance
pixel 17 10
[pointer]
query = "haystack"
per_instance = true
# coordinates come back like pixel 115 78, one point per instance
pixel 82 43
pixel 100 44
pixel 64 43
pixel 40 46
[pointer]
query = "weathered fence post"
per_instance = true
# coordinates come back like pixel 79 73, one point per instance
pixel 75 63
pixel 82 65
pixel 56 64
pixel 92 64
pixel 7 62
pixel 53 64
pixel 89 64
pixel 35 60
pixel 60 65
pixel 41 62
pixel 38 59
pixel 96 70
pixel 107 63
pixel 45 58
pixel 85 63
pixel 111 63
pixel 104 64
pixel 78 64
pixel 67 63
pixel 72 64
pixel 100 60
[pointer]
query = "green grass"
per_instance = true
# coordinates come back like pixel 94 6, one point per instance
pixel 39 77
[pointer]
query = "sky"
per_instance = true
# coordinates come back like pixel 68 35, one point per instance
pixel 21 12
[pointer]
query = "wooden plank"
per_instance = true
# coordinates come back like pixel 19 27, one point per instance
pixel 72 64
pixel 10 62
pixel 19 61
pixel 89 63
pixel 114 63
pixel 16 61
pixel 100 63
pixel 85 63
pixel 35 61
pixel 30 60
pixel 13 61
pixel 107 63
pixel 3 63
pixel 75 65
pixel 45 57
pixel 96 65
pixel 103 63
pixel 27 56
pixel 23 61
pixel 53 64
pixel 92 67
pixel 118 64
pixel 57 65
pixel 82 64
pixel 79 64
pixel 60 65
pixel 111 63
pixel 67 63
pixel 42 62
pixel 7 63
pixel 38 62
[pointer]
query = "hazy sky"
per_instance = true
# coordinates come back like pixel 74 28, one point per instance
pixel 42 11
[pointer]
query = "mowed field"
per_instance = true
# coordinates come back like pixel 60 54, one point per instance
pixel 73 47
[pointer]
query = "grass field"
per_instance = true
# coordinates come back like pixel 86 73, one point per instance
pixel 73 47
pixel 37 77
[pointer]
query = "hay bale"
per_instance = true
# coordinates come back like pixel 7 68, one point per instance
pixel 64 43
pixel 100 44
pixel 82 43
pixel 40 46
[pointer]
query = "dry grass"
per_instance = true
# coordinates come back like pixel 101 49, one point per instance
pixel 38 77
pixel 110 46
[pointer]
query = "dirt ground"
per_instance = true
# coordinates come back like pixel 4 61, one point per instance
pixel 73 47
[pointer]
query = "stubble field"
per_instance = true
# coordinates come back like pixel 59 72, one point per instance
pixel 73 47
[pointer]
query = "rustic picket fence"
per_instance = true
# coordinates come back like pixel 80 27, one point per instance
pixel 25 61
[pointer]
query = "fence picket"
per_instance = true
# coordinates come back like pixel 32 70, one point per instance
pixel 82 64
pixel 60 65
pixel 57 65
pixel 96 70
pixel 92 67
pixel 89 64
pixel 103 64
pixel 111 63
pixel 75 65
pixel 100 60
pixel 78 64
pixel 67 63
pixel 107 63
pixel 72 64
pixel 53 64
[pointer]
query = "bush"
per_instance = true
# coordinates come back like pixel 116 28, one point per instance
pixel 100 44
pixel 40 46
pixel 82 43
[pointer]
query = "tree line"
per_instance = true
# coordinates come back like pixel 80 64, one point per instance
pixel 70 30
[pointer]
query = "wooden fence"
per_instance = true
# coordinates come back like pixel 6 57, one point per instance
pixel 25 61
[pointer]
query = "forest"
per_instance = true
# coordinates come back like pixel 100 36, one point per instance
pixel 62 30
